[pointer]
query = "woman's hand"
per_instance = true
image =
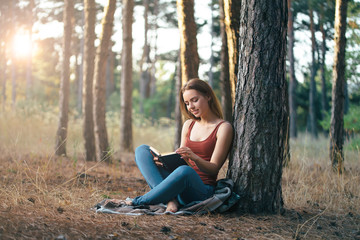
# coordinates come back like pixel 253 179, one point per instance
pixel 157 162
pixel 186 153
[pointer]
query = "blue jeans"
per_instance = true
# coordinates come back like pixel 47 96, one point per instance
pixel 183 183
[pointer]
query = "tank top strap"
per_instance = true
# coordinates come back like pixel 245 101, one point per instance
pixel 190 128
pixel 217 127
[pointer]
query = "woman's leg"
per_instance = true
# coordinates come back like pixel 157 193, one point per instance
pixel 183 181
pixel 145 162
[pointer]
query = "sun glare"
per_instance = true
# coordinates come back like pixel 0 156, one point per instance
pixel 22 45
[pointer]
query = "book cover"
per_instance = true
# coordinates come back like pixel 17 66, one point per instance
pixel 170 160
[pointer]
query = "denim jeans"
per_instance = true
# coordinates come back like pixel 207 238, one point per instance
pixel 183 183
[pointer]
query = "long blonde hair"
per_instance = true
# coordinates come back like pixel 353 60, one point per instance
pixel 203 88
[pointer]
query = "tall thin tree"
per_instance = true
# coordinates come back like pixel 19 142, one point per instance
pixel 232 21
pixel 260 111
pixel 88 75
pixel 145 61
pixel 226 99
pixel 292 78
pixel 61 134
pixel 29 58
pixel 337 109
pixel 188 42
pixel 324 98
pixel 189 57
pixel 99 90
pixel 312 90
pixel 126 135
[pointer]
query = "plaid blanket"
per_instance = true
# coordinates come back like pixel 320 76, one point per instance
pixel 222 200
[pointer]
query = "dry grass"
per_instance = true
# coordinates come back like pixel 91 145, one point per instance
pixel 44 197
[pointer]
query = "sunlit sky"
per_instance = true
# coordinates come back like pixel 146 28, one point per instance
pixel 168 39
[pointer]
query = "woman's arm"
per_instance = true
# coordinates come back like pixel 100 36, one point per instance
pixel 224 139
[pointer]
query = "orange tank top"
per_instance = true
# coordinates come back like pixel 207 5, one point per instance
pixel 203 149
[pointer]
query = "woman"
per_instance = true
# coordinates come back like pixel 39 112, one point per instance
pixel 205 143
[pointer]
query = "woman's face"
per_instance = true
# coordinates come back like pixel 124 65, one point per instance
pixel 196 103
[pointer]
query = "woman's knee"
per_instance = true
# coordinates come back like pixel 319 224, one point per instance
pixel 185 170
pixel 141 151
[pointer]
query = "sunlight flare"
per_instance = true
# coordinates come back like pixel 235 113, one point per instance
pixel 22 44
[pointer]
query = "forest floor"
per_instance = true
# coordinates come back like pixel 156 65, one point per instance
pixel 44 197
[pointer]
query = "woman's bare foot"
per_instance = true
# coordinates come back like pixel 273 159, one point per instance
pixel 172 206
pixel 128 202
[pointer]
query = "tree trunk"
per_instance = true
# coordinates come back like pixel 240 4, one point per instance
pixel 178 117
pixel 102 144
pixel 337 109
pixel 61 135
pixel 13 80
pixel 312 90
pixel 126 135
pixel 29 58
pixel 3 76
pixel 188 41
pixel 232 23
pixel 226 100
pixel 79 94
pixel 324 99
pixel 13 59
pixel 261 110
pixel 110 67
pixel 292 81
pixel 153 68
pixel 145 71
pixel 212 34
pixel 88 75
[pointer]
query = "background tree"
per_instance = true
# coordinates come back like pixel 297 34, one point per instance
pixel 188 42
pixel 99 90
pixel 260 113
pixel 232 23
pixel 30 11
pixel 145 61
pixel 88 74
pixel 61 134
pixel 225 86
pixel 337 109
pixel 292 77
pixel 126 137
pixel 312 90
pixel 189 57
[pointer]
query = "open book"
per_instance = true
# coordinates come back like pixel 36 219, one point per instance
pixel 170 160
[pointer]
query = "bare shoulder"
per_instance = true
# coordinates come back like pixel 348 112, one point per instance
pixel 186 124
pixel 226 129
pixel 226 126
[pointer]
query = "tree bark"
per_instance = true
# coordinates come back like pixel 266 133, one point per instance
pixel 292 81
pixel 61 134
pixel 80 84
pixel 145 68
pixel 29 58
pixel 99 91
pixel 126 135
pixel 188 41
pixel 261 110
pixel 337 109
pixel 324 98
pixel 211 60
pixel 226 99
pixel 312 90
pixel 178 117
pixel 110 67
pixel 232 23
pixel 88 75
